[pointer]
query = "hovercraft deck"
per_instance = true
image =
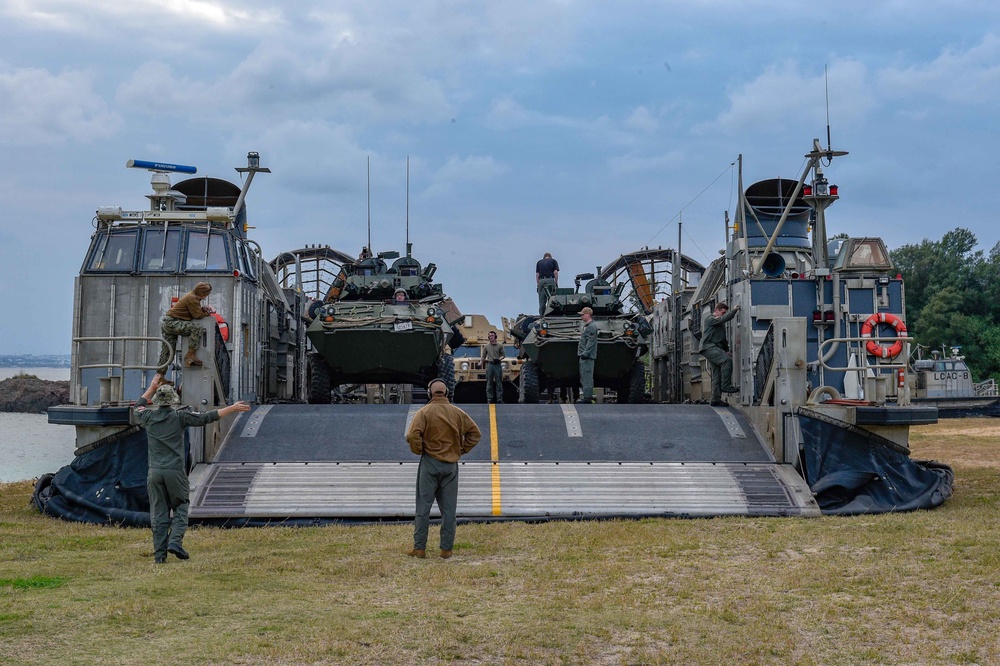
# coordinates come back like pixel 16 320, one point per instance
pixel 352 462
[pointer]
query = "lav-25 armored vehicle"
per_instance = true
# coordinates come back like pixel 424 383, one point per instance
pixel 382 324
pixel 550 342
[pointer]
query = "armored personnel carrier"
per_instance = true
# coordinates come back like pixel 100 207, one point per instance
pixel 381 324
pixel 550 342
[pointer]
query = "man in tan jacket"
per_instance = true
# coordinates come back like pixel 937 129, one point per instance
pixel 440 434
pixel 179 321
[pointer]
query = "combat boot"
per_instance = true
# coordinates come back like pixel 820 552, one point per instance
pixel 418 552
pixel 445 554
pixel 191 359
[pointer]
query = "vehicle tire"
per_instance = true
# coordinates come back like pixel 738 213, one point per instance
pixel 446 372
pixel 319 380
pixel 529 383
pixel 636 381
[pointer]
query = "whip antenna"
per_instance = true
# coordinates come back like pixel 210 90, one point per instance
pixel 369 203
pixel 826 85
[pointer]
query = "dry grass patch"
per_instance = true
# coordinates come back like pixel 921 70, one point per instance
pixel 916 588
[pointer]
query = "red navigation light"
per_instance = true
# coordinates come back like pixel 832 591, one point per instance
pixel 817 315
pixel 807 190
pixel 828 315
pixel 795 276
pixel 236 272
pixel 833 190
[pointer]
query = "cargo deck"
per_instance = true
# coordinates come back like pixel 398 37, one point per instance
pixel 535 462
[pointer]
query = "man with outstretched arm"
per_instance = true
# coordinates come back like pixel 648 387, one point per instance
pixel 167 480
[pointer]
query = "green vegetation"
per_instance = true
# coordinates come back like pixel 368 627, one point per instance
pixel 914 588
pixel 953 297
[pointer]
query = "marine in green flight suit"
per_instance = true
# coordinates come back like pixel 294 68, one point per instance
pixel 167 480
pixel 586 350
pixel 715 348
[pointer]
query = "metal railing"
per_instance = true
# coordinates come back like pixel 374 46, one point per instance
pixel 112 390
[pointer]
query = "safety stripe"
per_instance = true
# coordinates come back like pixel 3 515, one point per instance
pixel 255 420
pixel 572 418
pixel 495 458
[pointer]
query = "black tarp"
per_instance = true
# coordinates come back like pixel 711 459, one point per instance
pixel 106 485
pixel 850 473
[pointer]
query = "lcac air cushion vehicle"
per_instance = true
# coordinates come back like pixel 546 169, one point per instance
pixel 383 324
pixel 550 342
pixel 768 453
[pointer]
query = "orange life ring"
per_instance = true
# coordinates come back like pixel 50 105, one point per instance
pixel 871 324
pixel 223 326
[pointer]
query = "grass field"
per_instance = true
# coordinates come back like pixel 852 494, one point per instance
pixel 915 588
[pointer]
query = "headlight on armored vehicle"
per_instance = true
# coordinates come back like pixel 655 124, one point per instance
pixel 465 365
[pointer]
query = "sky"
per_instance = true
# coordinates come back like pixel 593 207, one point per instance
pixel 582 128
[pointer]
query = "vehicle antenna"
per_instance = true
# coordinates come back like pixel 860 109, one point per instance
pixel 826 85
pixel 369 203
pixel 407 205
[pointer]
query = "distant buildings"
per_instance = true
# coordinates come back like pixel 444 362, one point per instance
pixel 35 361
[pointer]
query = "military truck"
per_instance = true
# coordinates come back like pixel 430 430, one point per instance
pixel 550 342
pixel 382 323
pixel 470 373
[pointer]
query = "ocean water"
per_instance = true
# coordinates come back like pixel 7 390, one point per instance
pixel 29 446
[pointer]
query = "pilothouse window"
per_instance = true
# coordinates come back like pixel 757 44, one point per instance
pixel 161 250
pixel 115 252
pixel 206 252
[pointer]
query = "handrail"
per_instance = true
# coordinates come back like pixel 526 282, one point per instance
pixel 120 365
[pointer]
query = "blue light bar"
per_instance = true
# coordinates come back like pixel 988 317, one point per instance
pixel 160 166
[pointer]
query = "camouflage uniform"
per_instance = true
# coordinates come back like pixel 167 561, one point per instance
pixel 173 328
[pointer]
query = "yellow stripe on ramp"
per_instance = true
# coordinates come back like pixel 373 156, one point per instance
pixel 495 457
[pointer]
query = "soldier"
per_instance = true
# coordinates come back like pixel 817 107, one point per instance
pixel 440 434
pixel 715 348
pixel 179 320
pixel 167 481
pixel 546 275
pixel 586 350
pixel 492 357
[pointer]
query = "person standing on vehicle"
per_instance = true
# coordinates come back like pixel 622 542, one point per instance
pixel 546 275
pixel 715 348
pixel 440 434
pixel 179 320
pixel 586 350
pixel 492 358
pixel 167 480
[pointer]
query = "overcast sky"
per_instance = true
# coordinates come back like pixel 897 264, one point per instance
pixel 586 129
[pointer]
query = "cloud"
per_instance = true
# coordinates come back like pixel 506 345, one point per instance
pixel 37 106
pixel 471 169
pixel 628 164
pixel 642 120
pixel 970 77
pixel 784 96
pixel 102 16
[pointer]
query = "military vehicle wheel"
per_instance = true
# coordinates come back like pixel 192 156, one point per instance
pixel 633 388
pixel 319 380
pixel 446 371
pixel 529 383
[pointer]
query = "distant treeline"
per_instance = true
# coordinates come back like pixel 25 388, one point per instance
pixel 953 298
pixel 35 360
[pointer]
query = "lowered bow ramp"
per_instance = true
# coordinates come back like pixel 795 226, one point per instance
pixel 351 462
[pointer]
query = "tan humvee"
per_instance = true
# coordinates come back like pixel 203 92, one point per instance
pixel 470 373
